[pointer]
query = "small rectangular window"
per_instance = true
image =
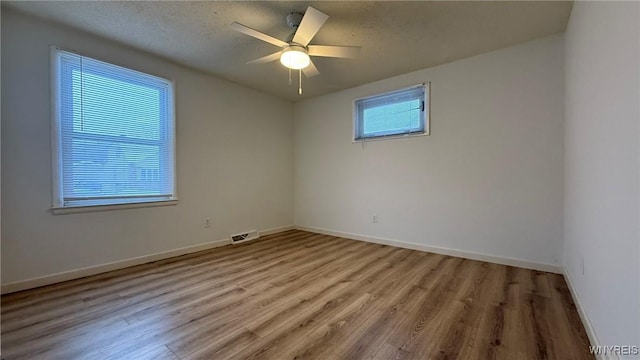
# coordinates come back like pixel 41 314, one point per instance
pixel 113 134
pixel 398 113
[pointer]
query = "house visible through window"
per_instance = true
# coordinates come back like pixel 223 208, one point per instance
pixel 397 113
pixel 113 131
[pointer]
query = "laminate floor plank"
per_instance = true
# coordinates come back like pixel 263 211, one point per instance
pixel 299 295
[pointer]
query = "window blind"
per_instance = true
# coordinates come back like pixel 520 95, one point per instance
pixel 115 140
pixel 394 113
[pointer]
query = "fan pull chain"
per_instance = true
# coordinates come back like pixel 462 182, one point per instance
pixel 300 82
pixel 289 76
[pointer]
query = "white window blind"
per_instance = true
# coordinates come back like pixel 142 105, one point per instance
pixel 401 112
pixel 113 134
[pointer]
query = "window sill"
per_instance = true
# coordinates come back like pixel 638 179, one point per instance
pixel 92 208
pixel 389 137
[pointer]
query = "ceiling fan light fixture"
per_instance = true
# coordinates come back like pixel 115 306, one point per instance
pixel 295 57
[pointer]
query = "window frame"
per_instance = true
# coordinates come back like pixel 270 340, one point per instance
pixel 425 116
pixel 58 203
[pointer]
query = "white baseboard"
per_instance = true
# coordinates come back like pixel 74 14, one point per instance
pixel 591 333
pixel 276 230
pixel 440 250
pixel 120 264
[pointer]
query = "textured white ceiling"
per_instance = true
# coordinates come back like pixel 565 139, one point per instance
pixel 396 37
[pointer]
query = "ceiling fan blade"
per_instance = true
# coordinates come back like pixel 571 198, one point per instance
pixel 334 51
pixel 311 70
pixel 309 26
pixel 257 34
pixel 265 59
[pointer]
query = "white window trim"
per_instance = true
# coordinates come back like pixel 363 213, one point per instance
pixel 92 208
pixel 427 124
pixel 56 150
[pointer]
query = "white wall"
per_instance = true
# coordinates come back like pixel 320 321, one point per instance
pixel 234 161
pixel 602 178
pixel 488 180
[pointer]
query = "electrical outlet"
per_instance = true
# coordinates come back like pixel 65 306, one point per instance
pixel 207 222
pixel 374 219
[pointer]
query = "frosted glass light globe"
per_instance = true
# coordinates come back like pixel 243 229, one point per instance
pixel 295 57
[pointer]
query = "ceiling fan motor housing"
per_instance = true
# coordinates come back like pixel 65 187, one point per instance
pixel 294 19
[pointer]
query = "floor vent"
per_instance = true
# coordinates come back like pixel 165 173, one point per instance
pixel 245 236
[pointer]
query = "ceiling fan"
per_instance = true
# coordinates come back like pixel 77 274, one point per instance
pixel 295 52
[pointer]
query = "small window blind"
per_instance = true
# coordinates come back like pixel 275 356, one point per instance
pixel 113 134
pixel 401 112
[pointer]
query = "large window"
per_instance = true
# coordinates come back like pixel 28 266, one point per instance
pixel 113 134
pixel 398 113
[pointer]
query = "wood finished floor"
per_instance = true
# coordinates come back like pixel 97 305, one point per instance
pixel 299 295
